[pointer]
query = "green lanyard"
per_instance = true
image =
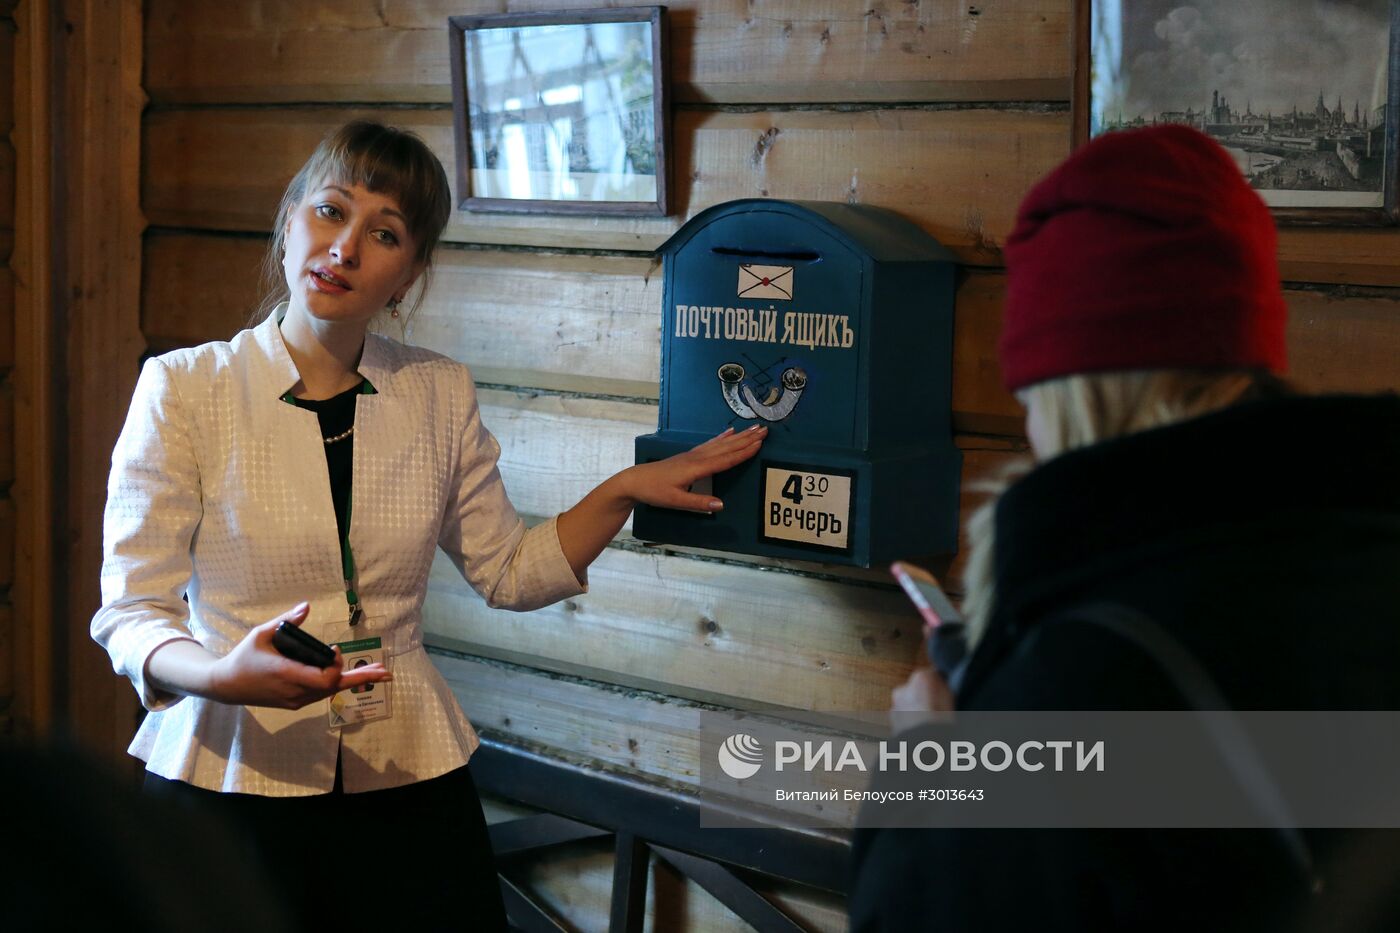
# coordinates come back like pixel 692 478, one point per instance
pixel 347 555
pixel 347 564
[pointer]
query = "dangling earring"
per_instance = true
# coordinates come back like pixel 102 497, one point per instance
pixel 394 307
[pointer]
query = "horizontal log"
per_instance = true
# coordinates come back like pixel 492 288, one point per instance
pixel 653 737
pixel 201 51
pixel 554 449
pixel 1357 256
pixel 1344 344
pixel 226 169
pixel 547 321
pixel 719 632
pixel 621 730
pixel 573 323
pixel 178 308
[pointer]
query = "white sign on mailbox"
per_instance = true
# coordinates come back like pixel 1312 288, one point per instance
pixel 808 508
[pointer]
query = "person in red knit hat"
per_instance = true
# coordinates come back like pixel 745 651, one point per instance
pixel 1179 484
pixel 1146 251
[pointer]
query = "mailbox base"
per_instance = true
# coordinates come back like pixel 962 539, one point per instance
pixel 816 503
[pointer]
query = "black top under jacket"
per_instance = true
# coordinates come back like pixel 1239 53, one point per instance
pixel 336 414
pixel 1265 538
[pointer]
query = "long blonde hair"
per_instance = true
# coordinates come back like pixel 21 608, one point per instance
pixel 1085 409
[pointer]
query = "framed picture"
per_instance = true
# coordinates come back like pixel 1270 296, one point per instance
pixel 1303 93
pixel 563 112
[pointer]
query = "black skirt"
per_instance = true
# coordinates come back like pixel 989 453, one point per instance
pixel 375 858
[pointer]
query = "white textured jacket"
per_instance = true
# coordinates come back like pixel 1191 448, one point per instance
pixel 219 517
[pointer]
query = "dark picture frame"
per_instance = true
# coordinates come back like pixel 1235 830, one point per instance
pixel 562 112
pixel 1313 162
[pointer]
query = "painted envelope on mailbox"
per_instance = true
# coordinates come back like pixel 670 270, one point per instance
pixel 765 282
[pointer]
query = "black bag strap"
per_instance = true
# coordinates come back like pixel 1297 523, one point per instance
pixel 1199 689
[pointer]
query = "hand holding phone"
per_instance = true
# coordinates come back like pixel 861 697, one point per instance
pixel 302 647
pixel 944 628
pixel 925 593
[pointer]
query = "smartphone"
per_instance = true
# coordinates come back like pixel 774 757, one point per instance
pixel 947 635
pixel 302 647
pixel 926 595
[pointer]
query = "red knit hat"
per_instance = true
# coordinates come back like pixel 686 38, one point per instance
pixel 1146 249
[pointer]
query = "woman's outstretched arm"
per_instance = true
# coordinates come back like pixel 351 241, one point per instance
pixel 586 529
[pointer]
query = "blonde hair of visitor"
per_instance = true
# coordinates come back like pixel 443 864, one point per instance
pixel 1085 409
pixel 383 159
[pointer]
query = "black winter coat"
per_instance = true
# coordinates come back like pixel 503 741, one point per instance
pixel 1266 539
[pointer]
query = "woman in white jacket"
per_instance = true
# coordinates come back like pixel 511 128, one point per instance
pixel 306 472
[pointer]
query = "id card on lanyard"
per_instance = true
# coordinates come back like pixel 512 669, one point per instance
pixel 366 702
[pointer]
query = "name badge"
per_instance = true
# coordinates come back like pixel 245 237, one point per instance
pixel 366 702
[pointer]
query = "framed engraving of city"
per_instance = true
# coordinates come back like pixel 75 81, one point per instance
pixel 561 112
pixel 1302 93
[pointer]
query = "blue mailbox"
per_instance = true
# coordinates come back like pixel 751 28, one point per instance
pixel 832 324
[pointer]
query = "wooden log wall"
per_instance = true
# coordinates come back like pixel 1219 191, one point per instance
pixel 102 236
pixel 945 111
pixel 70 259
pixel 29 286
pixel 7 362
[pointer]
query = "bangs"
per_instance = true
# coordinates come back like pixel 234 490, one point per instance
pixel 389 162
